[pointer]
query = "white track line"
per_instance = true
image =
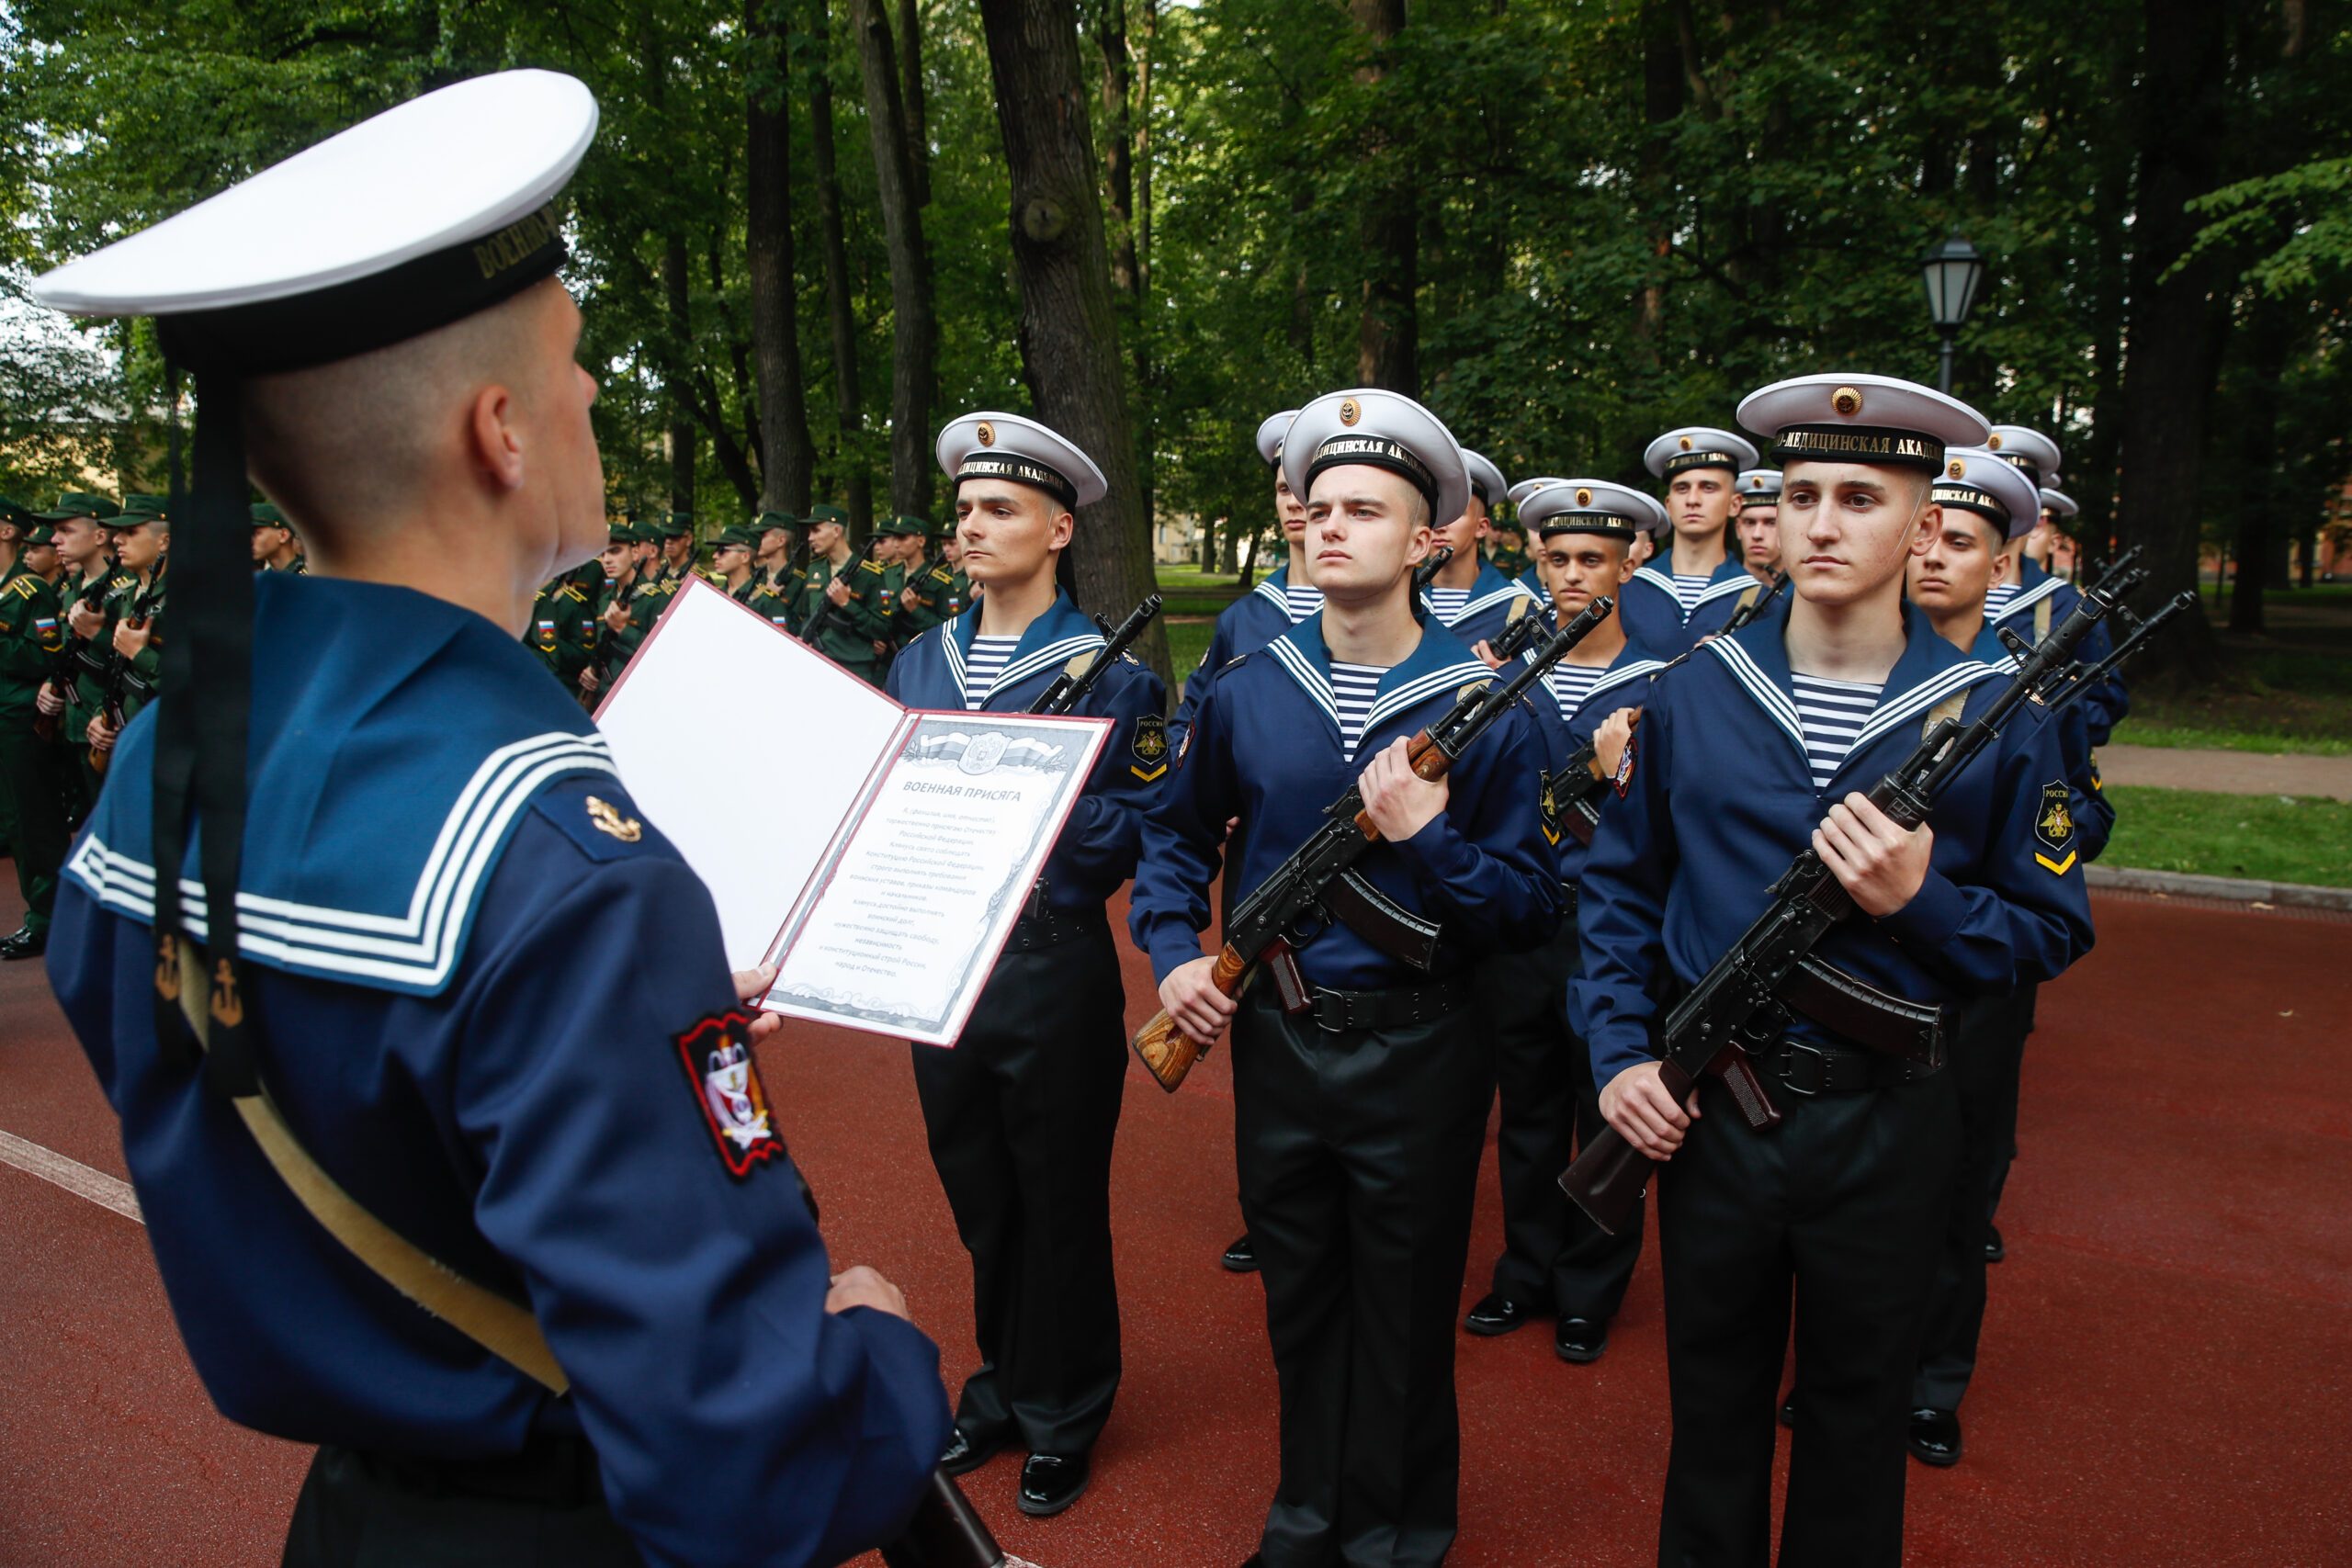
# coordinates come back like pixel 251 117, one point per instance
pixel 71 1174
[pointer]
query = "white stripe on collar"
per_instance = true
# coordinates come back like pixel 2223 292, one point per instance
pixel 1421 687
pixel 1739 584
pixel 1266 590
pixel 1313 681
pixel 1514 589
pixel 2029 597
pixel 1919 699
pixel 1775 703
pixel 1623 673
pixel 1052 653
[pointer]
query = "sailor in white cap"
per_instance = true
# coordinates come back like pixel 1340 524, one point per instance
pixel 1554 1260
pixel 1755 749
pixel 1757 524
pixel 476 994
pixel 1691 589
pixel 2029 599
pixel 1362 1258
pixel 1022 1112
pixel 1470 596
pixel 1985 502
pixel 1532 577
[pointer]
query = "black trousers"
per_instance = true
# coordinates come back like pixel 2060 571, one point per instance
pixel 2004 1139
pixel 1836 1217
pixel 542 1509
pixel 1986 1043
pixel 32 812
pixel 1554 1258
pixel 1022 1114
pixel 1359 1162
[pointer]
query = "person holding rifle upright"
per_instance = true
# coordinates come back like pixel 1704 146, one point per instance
pixel 1693 589
pixel 69 697
pixel 1021 1111
pixel 32 794
pixel 625 610
pixel 1754 750
pixel 1360 1119
pixel 839 583
pixel 142 542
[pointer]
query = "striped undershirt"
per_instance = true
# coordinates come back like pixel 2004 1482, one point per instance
pixel 1571 683
pixel 1998 597
pixel 1301 601
pixel 986 660
pixel 1353 689
pixel 1448 602
pixel 1687 591
pixel 1831 713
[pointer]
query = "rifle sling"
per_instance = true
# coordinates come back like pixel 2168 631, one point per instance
pixel 504 1329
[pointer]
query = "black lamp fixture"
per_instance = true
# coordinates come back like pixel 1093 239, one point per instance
pixel 1954 273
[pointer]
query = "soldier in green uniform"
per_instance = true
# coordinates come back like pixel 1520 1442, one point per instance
pixel 32 816
pixel 40 549
pixel 274 546
pixel 1508 547
pixel 83 525
pixel 562 626
pixel 935 592
pixel 779 537
pixel 900 553
pixel 142 543
pixel 848 582
pixel 734 562
pixel 673 539
pixel 634 598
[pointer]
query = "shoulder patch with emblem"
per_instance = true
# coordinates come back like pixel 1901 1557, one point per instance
pixel 600 823
pixel 2053 828
pixel 1547 806
pixel 716 1055
pixel 1149 747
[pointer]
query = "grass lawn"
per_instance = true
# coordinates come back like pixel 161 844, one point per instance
pixel 1187 640
pixel 2267 838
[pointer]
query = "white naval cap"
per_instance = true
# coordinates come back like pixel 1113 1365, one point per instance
pixel 1760 487
pixel 1697 446
pixel 1976 480
pixel 1270 435
pixel 2028 449
pixel 1876 421
pixel 1486 479
pixel 2058 503
pixel 1379 429
pixel 1592 507
pixel 1007 446
pixel 426 214
pixel 1526 488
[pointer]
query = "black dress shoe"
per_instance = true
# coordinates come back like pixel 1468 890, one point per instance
pixel 963 1454
pixel 1050 1483
pixel 1789 1409
pixel 1497 1313
pixel 24 944
pixel 1994 1251
pixel 1580 1339
pixel 1241 1258
pixel 1935 1437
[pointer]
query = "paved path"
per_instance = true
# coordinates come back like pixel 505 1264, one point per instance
pixel 2228 772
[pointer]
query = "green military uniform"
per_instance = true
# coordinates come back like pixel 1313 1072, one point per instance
pixel 934 583
pixel 268 516
pixel 562 620
pixel 783 582
pixel 847 637
pixel 32 789
pixel 885 619
pixel 645 599
pixel 134 681
pixel 754 594
pixel 676 526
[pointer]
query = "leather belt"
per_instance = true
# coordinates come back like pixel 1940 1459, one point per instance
pixel 554 1469
pixel 1051 928
pixel 1805 1069
pixel 1393 1008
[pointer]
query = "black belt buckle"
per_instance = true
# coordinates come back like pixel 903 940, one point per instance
pixel 1805 1069
pixel 1333 1011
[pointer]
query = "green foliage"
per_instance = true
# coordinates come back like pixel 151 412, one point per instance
pixel 2265 838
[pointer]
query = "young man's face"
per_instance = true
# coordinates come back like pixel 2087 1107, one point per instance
pixel 619 558
pixel 1366 528
pixel 1463 534
pixel 678 549
pixel 1699 502
pixel 81 543
pixel 1847 528
pixel 950 549
pixel 1290 509
pixel 1010 531
pixel 41 559
pixel 1958 566
pixel 1644 547
pixel 775 546
pixel 1759 536
pixel 140 548
pixel 732 558
pixel 571 476
pixel 1579 567
pixel 823 535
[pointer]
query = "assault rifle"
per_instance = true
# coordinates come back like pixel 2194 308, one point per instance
pixel 1741 1007
pixel 68 654
pixel 825 607
pixel 1068 690
pixel 1318 882
pixel 1426 573
pixel 2077 679
pixel 119 674
pixel 1756 606
pixel 1515 637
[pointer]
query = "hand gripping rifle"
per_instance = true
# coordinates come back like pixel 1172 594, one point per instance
pixel 119 674
pixel 1741 1007
pixel 825 607
pixel 68 654
pixel 1068 690
pixel 1318 882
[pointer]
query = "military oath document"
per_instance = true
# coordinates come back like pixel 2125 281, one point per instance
pixel 878 855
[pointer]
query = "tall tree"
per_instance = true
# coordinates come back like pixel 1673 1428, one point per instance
pixel 787 456
pixel 857 483
pixel 1388 329
pixel 914 368
pixel 1067 326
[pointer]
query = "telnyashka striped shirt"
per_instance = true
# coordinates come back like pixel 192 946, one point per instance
pixel 1687 591
pixel 1998 597
pixel 1301 601
pixel 1353 687
pixel 986 660
pixel 1448 602
pixel 1571 683
pixel 1831 713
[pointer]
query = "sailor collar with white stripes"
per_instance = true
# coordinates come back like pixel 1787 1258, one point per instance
pixel 1729 577
pixel 2026 598
pixel 1439 666
pixel 1634 662
pixel 1046 643
pixel 1490 587
pixel 1929 671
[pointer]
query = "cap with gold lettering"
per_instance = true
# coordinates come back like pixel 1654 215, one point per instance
pixel 2025 448
pixel 1007 446
pixel 1592 507
pixel 1875 421
pixel 1697 446
pixel 1759 486
pixel 1370 427
pixel 1975 479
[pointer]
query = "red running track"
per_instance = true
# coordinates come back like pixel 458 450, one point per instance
pixel 2164 1362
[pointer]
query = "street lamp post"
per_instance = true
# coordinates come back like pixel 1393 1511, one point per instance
pixel 1952 272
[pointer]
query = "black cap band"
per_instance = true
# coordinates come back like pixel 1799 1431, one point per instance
pixel 1608 525
pixel 1376 452
pixel 1859 444
pixel 1968 498
pixel 1682 462
pixel 2019 460
pixel 1021 470
pixel 371 313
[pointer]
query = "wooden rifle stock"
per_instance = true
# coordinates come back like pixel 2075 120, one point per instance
pixel 1168 1052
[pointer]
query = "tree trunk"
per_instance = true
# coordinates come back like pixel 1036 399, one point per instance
pixel 914 352
pixel 1662 83
pixel 1118 153
pixel 2168 378
pixel 1069 352
pixel 911 99
pixel 787 456
pixel 2261 545
pixel 1388 330
pixel 1143 148
pixel 677 309
pixel 857 484
pixel 2091 478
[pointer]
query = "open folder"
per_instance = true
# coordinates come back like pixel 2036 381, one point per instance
pixel 879 855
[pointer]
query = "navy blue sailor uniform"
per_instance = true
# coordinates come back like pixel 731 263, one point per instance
pixel 492 1001
pixel 1247 625
pixel 1555 1258
pixel 1656 616
pixel 1359 1122
pixel 1493 603
pixel 1846 1199
pixel 2041 602
pixel 1021 1112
